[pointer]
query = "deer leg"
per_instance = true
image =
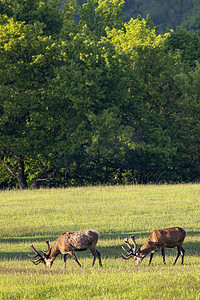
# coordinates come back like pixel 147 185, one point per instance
pixel 93 251
pixel 65 258
pixel 178 254
pixel 182 253
pixel 151 256
pixel 95 254
pixel 99 258
pixel 74 257
pixel 163 255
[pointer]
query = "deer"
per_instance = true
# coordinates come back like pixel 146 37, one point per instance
pixel 68 243
pixel 158 240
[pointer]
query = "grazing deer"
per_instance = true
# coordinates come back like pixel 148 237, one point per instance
pixel 68 243
pixel 158 240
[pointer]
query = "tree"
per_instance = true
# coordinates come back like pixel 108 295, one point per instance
pixel 31 11
pixel 184 126
pixel 92 87
pixel 150 149
pixel 186 44
pixel 28 60
pixel 184 108
pixel 99 14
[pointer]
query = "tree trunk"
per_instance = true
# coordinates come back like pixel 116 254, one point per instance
pixel 21 180
pixel 20 176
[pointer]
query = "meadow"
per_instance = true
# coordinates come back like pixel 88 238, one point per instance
pixel 34 216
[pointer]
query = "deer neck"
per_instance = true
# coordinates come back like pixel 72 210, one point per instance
pixel 54 252
pixel 145 250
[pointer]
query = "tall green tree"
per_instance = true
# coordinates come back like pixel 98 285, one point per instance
pixel 185 44
pixel 151 149
pixel 28 59
pixel 184 106
pixel 99 14
pixel 31 11
pixel 93 86
pixel 184 125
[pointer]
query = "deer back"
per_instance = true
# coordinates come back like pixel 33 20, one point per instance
pixel 172 237
pixel 79 240
pixel 169 237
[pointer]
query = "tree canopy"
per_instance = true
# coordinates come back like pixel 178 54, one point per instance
pixel 98 100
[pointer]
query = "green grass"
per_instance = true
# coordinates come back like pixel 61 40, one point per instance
pixel 32 217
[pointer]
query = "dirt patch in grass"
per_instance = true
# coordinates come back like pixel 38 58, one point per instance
pixel 28 270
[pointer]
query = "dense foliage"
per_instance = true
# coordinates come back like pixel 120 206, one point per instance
pixel 98 101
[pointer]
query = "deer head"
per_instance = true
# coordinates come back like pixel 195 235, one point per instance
pixel 42 259
pixel 131 252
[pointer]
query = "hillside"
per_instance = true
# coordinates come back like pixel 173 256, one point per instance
pixel 167 14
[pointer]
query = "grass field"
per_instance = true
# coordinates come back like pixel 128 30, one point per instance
pixel 32 217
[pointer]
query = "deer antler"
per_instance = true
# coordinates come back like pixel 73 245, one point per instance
pixel 49 248
pixel 132 237
pixel 132 251
pixel 36 262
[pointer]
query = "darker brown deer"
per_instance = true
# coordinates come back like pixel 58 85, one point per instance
pixel 68 243
pixel 158 240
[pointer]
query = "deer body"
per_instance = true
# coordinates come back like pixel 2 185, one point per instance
pixel 68 243
pixel 158 240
